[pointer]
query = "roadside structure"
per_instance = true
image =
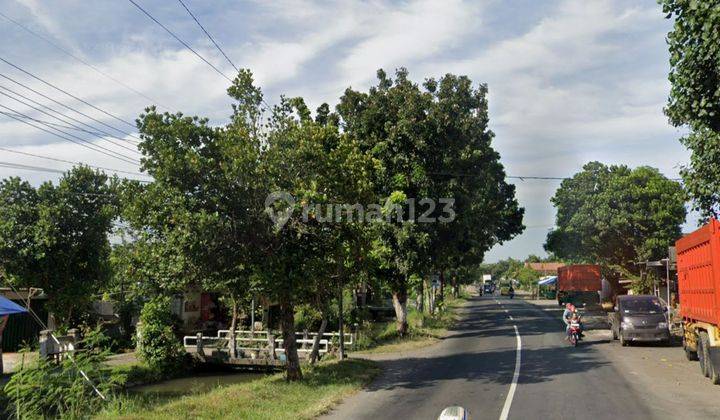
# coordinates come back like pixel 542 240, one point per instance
pixel 545 268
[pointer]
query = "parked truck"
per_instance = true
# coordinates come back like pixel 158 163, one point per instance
pixel 698 268
pixel 579 284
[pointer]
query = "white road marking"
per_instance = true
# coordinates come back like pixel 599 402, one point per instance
pixel 506 311
pixel 516 375
pixel 510 316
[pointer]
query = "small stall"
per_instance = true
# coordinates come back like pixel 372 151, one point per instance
pixel 7 308
pixel 547 287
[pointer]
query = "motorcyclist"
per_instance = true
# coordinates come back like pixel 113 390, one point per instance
pixel 566 316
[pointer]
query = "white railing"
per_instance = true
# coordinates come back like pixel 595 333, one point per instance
pixel 299 335
pixel 245 343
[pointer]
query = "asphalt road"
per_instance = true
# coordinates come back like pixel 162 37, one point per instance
pixel 475 365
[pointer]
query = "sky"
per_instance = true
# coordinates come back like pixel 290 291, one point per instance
pixel 570 81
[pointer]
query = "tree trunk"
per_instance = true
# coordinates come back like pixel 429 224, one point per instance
pixel 287 323
pixel 315 352
pixel 420 302
pixel 232 344
pixel 341 343
pixel 399 297
pixel 442 286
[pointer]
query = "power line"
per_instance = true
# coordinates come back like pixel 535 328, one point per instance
pixel 68 108
pixel 58 47
pixel 209 36
pixel 180 40
pixel 522 178
pixel 30 167
pixel 17 116
pixel 71 162
pixel 66 93
pixel 61 120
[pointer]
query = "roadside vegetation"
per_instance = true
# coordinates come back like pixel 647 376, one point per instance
pixel 268 397
pixel 423 329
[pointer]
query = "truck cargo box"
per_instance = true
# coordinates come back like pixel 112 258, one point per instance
pixel 698 267
pixel 580 278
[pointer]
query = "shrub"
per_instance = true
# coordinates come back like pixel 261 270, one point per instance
pixel 157 345
pixel 47 389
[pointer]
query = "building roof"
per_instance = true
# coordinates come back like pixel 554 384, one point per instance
pixel 545 267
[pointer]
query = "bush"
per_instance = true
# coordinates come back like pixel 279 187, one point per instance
pixel 48 389
pixel 157 345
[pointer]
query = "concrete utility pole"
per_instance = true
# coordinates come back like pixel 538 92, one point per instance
pixel 252 318
pixel 667 278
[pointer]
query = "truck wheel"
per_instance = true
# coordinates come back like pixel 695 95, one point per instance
pixel 714 372
pixel 689 354
pixel 703 358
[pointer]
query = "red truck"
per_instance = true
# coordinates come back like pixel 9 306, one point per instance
pixel 579 284
pixel 698 268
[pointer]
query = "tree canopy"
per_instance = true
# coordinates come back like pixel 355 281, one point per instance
pixel 55 237
pixel 615 215
pixel 694 99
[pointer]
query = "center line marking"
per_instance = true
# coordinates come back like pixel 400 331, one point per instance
pixel 516 375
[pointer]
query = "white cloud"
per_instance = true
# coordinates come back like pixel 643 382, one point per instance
pixel 403 36
pixel 572 82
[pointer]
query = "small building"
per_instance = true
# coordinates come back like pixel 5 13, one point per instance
pixel 200 311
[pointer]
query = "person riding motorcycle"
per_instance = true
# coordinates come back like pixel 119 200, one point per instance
pixel 568 314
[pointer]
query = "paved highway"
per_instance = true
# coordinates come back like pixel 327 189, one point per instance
pixel 477 366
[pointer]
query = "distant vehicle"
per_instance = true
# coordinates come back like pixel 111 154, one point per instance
pixel 504 290
pixel 639 318
pixel 579 284
pixel 488 289
pixel 698 268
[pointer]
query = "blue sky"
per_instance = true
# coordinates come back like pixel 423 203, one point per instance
pixel 570 81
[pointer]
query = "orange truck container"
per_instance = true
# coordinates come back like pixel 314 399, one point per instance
pixel 698 268
pixel 579 284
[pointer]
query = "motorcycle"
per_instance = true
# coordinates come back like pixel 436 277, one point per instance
pixel 574 333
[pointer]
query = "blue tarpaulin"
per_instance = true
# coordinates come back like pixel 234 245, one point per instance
pixel 548 280
pixel 8 307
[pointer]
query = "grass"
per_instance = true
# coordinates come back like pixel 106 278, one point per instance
pixel 424 329
pixel 267 397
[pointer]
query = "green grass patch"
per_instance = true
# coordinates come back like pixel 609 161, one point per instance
pixel 267 397
pixel 424 329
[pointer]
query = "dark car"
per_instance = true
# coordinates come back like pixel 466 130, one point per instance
pixel 488 289
pixel 639 318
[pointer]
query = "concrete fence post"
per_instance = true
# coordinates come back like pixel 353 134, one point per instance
pixel 199 344
pixel 46 345
pixel 271 345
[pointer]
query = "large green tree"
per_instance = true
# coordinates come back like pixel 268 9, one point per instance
pixel 200 223
pixel 56 237
pixel 615 215
pixel 694 100
pixel 430 142
pixel 205 220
